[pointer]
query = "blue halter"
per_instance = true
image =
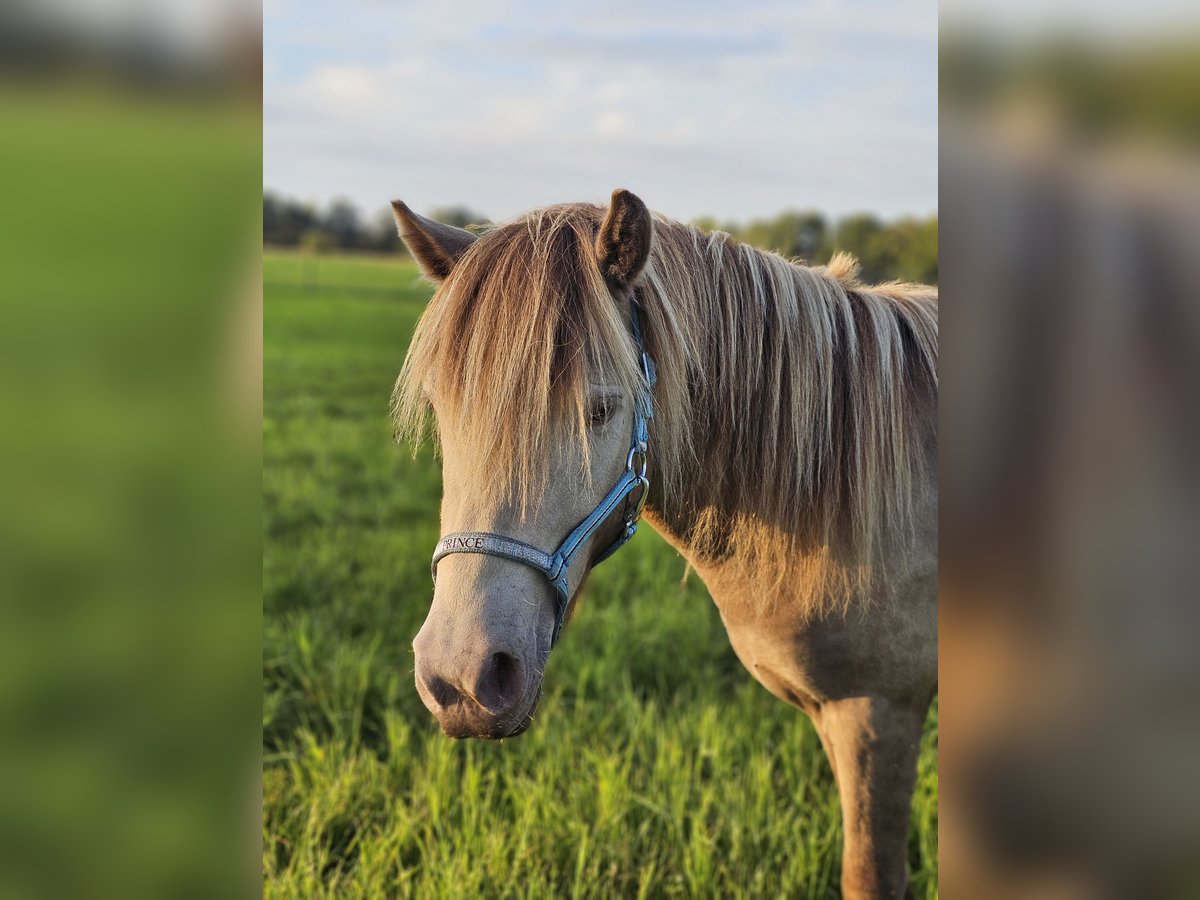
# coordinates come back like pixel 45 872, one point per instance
pixel 554 565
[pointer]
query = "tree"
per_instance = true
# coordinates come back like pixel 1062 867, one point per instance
pixel 913 248
pixel 382 235
pixel 796 235
pixel 284 220
pixel 906 250
pixel 272 212
pixel 341 221
pixel 858 235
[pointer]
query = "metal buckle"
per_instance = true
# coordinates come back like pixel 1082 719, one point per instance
pixel 637 450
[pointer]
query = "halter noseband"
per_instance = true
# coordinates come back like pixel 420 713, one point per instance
pixel 554 565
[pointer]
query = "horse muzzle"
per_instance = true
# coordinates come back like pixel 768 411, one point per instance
pixel 490 696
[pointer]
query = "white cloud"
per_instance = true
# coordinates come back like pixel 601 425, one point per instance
pixel 346 84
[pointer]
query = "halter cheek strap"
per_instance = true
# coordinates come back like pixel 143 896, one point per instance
pixel 554 566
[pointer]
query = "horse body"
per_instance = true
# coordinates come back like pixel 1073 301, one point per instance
pixel 792 456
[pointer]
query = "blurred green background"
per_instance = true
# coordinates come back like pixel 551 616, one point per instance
pixel 129 478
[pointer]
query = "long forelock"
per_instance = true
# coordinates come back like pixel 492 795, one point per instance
pixel 509 346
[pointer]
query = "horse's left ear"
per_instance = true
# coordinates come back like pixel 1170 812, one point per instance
pixel 623 244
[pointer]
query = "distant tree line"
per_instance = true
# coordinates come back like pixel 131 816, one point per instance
pixel 905 249
pixel 340 226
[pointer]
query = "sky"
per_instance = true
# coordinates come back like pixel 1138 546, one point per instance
pixel 736 110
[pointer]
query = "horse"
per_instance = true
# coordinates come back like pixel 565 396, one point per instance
pixel 585 366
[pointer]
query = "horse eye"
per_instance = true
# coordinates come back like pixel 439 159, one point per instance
pixel 600 411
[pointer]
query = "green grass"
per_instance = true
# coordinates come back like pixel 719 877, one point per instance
pixel 656 766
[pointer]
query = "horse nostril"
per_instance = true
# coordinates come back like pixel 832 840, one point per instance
pixel 500 682
pixel 444 694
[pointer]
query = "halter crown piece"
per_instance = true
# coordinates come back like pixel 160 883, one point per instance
pixel 632 481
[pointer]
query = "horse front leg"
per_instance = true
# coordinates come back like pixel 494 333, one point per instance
pixel 873 745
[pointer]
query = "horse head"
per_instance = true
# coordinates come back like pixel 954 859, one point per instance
pixel 529 357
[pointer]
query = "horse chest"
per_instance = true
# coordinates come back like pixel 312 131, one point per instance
pixel 789 663
pixel 808 662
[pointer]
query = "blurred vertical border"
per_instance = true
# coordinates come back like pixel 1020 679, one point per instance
pixel 1070 440
pixel 130 350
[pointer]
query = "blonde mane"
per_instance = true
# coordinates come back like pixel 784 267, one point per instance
pixel 792 404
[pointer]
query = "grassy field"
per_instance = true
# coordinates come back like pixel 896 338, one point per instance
pixel 656 765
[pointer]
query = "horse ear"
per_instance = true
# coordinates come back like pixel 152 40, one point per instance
pixel 623 244
pixel 435 247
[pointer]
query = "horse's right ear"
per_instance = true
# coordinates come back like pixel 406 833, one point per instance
pixel 435 247
pixel 623 244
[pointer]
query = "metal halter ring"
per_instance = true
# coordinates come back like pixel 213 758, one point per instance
pixel 638 450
